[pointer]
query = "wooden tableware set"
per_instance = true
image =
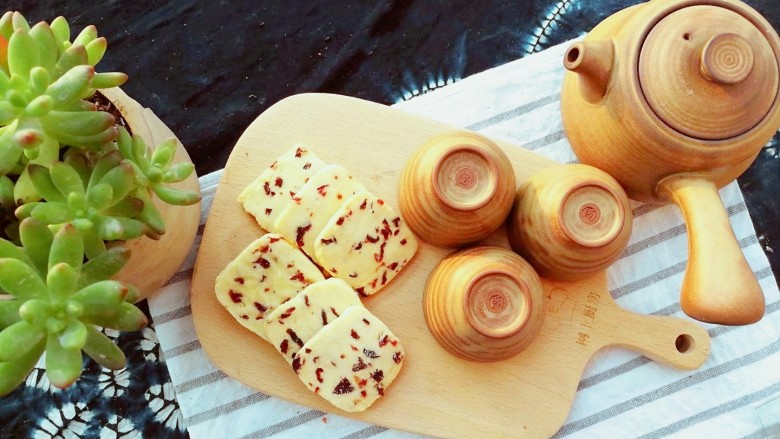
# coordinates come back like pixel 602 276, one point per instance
pixel 674 99
pixel 664 102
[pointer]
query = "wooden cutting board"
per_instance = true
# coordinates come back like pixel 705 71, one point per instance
pixel 436 393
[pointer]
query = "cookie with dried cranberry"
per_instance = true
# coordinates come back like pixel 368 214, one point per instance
pixel 267 273
pixel 298 320
pixel 272 191
pixel 314 204
pixel 351 361
pixel 365 243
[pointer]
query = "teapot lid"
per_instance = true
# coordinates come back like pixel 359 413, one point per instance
pixel 708 72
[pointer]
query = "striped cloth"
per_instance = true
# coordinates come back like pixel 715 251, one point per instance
pixel 621 394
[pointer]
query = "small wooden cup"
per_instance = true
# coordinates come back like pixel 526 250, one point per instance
pixel 484 303
pixel 458 188
pixel 570 221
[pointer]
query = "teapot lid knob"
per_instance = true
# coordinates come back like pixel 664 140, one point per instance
pixel 727 59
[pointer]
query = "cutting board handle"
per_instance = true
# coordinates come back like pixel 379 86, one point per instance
pixel 677 342
pixel 719 285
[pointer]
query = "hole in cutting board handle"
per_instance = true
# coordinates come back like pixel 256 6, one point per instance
pixel 684 343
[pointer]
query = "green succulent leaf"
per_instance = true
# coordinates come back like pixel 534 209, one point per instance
pixel 25 210
pixel 18 339
pixel 150 214
pixel 39 80
pixel 37 240
pixel 40 106
pixel 131 228
pixel 163 155
pixel 6 193
pixel 67 247
pixel 20 22
pixel 5 80
pixel 178 172
pixel 10 152
pixel 140 152
pixel 74 335
pixel 94 141
pixel 49 151
pixel 93 245
pixel 12 373
pixel 77 203
pixel 69 87
pixel 133 294
pixel 95 50
pixel 22 53
pixel 111 228
pixel 77 123
pixel 43 184
pixel 16 98
pixel 73 56
pixel 127 318
pixel 101 298
pixel 61 31
pixel 6 25
pixel 100 196
pixel 29 139
pixel 8 112
pixel 124 143
pixel 86 36
pixel 104 164
pixel 20 280
pixel 35 311
pixel 63 365
pixel 52 213
pixel 121 181
pixel 66 179
pixel 140 176
pixel 24 191
pixel 103 350
pixel 128 207
pixel 61 280
pixel 78 161
pixel 175 196
pixel 9 312
pixel 104 266
pixel 9 250
pixel 108 79
pixel 46 44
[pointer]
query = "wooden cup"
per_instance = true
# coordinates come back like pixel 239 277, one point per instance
pixel 570 221
pixel 484 303
pixel 456 189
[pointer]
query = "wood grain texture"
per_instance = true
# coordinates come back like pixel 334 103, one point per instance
pixel 153 262
pixel 456 189
pixel 719 285
pixel 484 303
pixel 665 114
pixel 436 393
pixel 622 134
pixel 570 221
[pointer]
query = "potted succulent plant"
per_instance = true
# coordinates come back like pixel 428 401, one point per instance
pixel 77 192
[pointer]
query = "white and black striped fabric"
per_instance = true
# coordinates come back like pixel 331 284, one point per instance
pixel 621 394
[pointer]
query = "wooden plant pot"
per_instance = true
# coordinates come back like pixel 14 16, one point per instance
pixel 153 262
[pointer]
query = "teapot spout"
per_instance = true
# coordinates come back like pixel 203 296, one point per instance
pixel 592 61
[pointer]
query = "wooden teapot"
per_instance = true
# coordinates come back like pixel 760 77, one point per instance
pixel 674 99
